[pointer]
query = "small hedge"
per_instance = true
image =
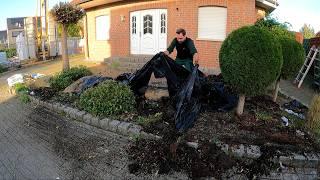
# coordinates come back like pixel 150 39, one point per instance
pixel 293 57
pixel 65 78
pixel 3 69
pixel 10 52
pixel 23 92
pixel 108 98
pixel 250 60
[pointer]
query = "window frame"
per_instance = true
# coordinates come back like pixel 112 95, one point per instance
pixel 206 38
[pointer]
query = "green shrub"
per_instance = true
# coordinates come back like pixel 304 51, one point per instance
pixel 3 69
pixel 20 87
pixel 293 57
pixel 10 52
pixel 65 78
pixel 147 121
pixel 22 91
pixel 24 97
pixel 250 60
pixel 278 29
pixel 313 118
pixel 108 98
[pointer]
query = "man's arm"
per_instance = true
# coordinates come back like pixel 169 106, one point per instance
pixel 171 47
pixel 193 51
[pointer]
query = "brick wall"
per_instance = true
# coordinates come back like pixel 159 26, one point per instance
pixel 181 13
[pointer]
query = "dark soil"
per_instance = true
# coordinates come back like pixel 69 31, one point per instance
pixel 208 160
pixel 44 93
pixel 156 157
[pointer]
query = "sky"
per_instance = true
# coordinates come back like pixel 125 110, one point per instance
pixel 20 8
pixel 296 12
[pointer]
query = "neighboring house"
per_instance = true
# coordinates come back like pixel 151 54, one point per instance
pixel 3 37
pixel 15 26
pixel 126 28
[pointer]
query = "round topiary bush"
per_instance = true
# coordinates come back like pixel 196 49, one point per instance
pixel 250 60
pixel 293 57
pixel 108 98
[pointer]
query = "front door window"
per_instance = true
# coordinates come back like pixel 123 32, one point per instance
pixel 147 24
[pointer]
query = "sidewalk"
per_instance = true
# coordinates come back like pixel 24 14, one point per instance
pixel 304 94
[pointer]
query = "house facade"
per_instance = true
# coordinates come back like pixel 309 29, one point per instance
pixel 120 28
pixel 3 37
pixel 15 26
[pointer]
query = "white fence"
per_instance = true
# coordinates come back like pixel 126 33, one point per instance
pixel 28 49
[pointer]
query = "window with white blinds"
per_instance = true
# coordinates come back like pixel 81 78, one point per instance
pixel 102 27
pixel 212 23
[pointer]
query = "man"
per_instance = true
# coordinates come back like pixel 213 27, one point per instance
pixel 186 51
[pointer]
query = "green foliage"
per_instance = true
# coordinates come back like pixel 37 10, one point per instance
pixel 108 98
pixel 66 98
pixel 250 60
pixel 65 78
pixel 20 87
pixel 66 13
pixel 22 91
pixel 73 30
pixel 10 52
pixel 24 97
pixel 293 57
pixel 277 28
pixel 264 116
pixel 313 120
pixel 3 69
pixel 147 121
pixel 307 31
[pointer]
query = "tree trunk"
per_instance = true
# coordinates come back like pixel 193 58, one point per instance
pixel 64 45
pixel 240 105
pixel 276 90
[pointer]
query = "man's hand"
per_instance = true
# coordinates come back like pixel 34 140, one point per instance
pixel 196 58
pixel 166 53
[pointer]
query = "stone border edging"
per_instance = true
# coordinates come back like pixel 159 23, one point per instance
pixel 119 127
pixel 130 129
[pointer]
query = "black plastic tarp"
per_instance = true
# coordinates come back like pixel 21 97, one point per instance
pixel 187 90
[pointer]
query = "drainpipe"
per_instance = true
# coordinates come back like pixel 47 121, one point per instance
pixel 86 44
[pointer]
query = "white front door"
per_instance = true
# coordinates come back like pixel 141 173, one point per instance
pixel 135 32
pixel 148 31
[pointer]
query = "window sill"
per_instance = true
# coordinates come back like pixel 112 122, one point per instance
pixel 208 39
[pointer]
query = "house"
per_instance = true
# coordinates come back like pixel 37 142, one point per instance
pixel 3 37
pixel 15 26
pixel 133 28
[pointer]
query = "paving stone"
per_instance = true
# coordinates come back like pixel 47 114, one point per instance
pixel 73 113
pixel 79 115
pixel 87 118
pixel 290 177
pixel 310 171
pixel 253 151
pixel 113 125
pixel 105 123
pixel 123 127
pixel 238 150
pixel 95 121
pixel 134 130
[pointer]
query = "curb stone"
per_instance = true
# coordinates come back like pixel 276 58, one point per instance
pixel 119 127
pixel 129 129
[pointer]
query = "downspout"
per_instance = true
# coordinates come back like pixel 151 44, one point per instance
pixel 86 44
